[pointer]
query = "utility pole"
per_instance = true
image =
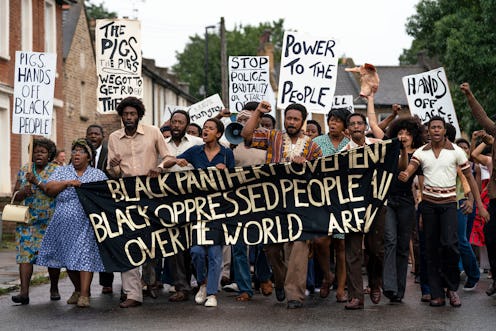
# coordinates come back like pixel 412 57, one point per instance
pixel 223 63
pixel 205 91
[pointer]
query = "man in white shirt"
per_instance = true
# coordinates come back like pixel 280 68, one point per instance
pixel 178 143
pixel 439 160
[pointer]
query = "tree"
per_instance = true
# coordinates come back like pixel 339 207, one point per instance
pixel 462 35
pixel 98 12
pixel 243 40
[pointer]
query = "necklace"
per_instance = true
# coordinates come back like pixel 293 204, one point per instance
pixel 291 150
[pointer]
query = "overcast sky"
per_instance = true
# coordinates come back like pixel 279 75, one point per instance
pixel 367 31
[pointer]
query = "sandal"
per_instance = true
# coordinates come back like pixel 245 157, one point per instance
pixel 342 297
pixel 243 297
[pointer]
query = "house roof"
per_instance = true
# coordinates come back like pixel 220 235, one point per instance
pixel 390 89
pixel 70 18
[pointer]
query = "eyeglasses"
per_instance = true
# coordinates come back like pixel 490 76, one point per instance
pixel 78 150
pixel 356 123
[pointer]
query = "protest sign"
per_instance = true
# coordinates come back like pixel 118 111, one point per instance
pixel 169 109
pixel 249 80
pixel 34 84
pixel 118 62
pixel 428 95
pixel 308 72
pixel 343 101
pixel 205 109
pixel 136 219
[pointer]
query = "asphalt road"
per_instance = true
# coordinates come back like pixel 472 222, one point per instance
pixel 478 312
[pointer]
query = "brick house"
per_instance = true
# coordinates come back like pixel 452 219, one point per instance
pixel 30 25
pixel 61 26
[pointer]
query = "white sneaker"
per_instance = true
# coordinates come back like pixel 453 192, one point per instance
pixel 201 296
pixel 233 287
pixel 211 301
pixel 469 286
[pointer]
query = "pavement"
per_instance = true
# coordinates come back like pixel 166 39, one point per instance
pixel 9 270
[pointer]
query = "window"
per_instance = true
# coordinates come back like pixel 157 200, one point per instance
pixel 27 25
pixel 4 29
pixel 50 27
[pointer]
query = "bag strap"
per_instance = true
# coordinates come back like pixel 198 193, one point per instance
pixel 13 197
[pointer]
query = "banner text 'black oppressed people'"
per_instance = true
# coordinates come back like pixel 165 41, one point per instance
pixel 136 219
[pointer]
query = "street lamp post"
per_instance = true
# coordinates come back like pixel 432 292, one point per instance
pixel 205 90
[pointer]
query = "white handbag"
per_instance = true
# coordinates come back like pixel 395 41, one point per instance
pixel 15 213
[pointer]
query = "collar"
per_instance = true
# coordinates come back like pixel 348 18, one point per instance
pixel 139 130
pixel 186 137
pixel 447 145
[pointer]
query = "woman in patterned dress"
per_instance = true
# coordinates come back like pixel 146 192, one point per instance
pixel 31 191
pixel 331 143
pixel 69 241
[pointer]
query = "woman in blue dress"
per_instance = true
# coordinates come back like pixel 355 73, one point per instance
pixel 70 241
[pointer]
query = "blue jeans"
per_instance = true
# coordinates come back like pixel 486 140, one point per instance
pixel 258 258
pixel 241 268
pixel 467 255
pixel 198 257
pixel 311 275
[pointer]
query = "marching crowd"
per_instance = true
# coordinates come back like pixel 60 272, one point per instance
pixel 438 209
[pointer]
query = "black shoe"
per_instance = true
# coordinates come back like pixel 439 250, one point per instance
pixel 20 299
pixel 293 304
pixel 389 294
pixel 280 294
pixel 395 299
pixel 54 296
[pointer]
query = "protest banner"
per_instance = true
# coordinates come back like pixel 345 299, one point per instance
pixel 249 80
pixel 205 109
pixel 136 219
pixel 428 95
pixel 118 62
pixel 34 84
pixel 308 72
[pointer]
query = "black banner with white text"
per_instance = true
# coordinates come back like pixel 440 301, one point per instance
pixel 136 219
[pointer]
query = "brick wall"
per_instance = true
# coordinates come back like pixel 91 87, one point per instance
pixel 80 88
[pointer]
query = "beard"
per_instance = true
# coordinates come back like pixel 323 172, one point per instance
pixel 293 131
